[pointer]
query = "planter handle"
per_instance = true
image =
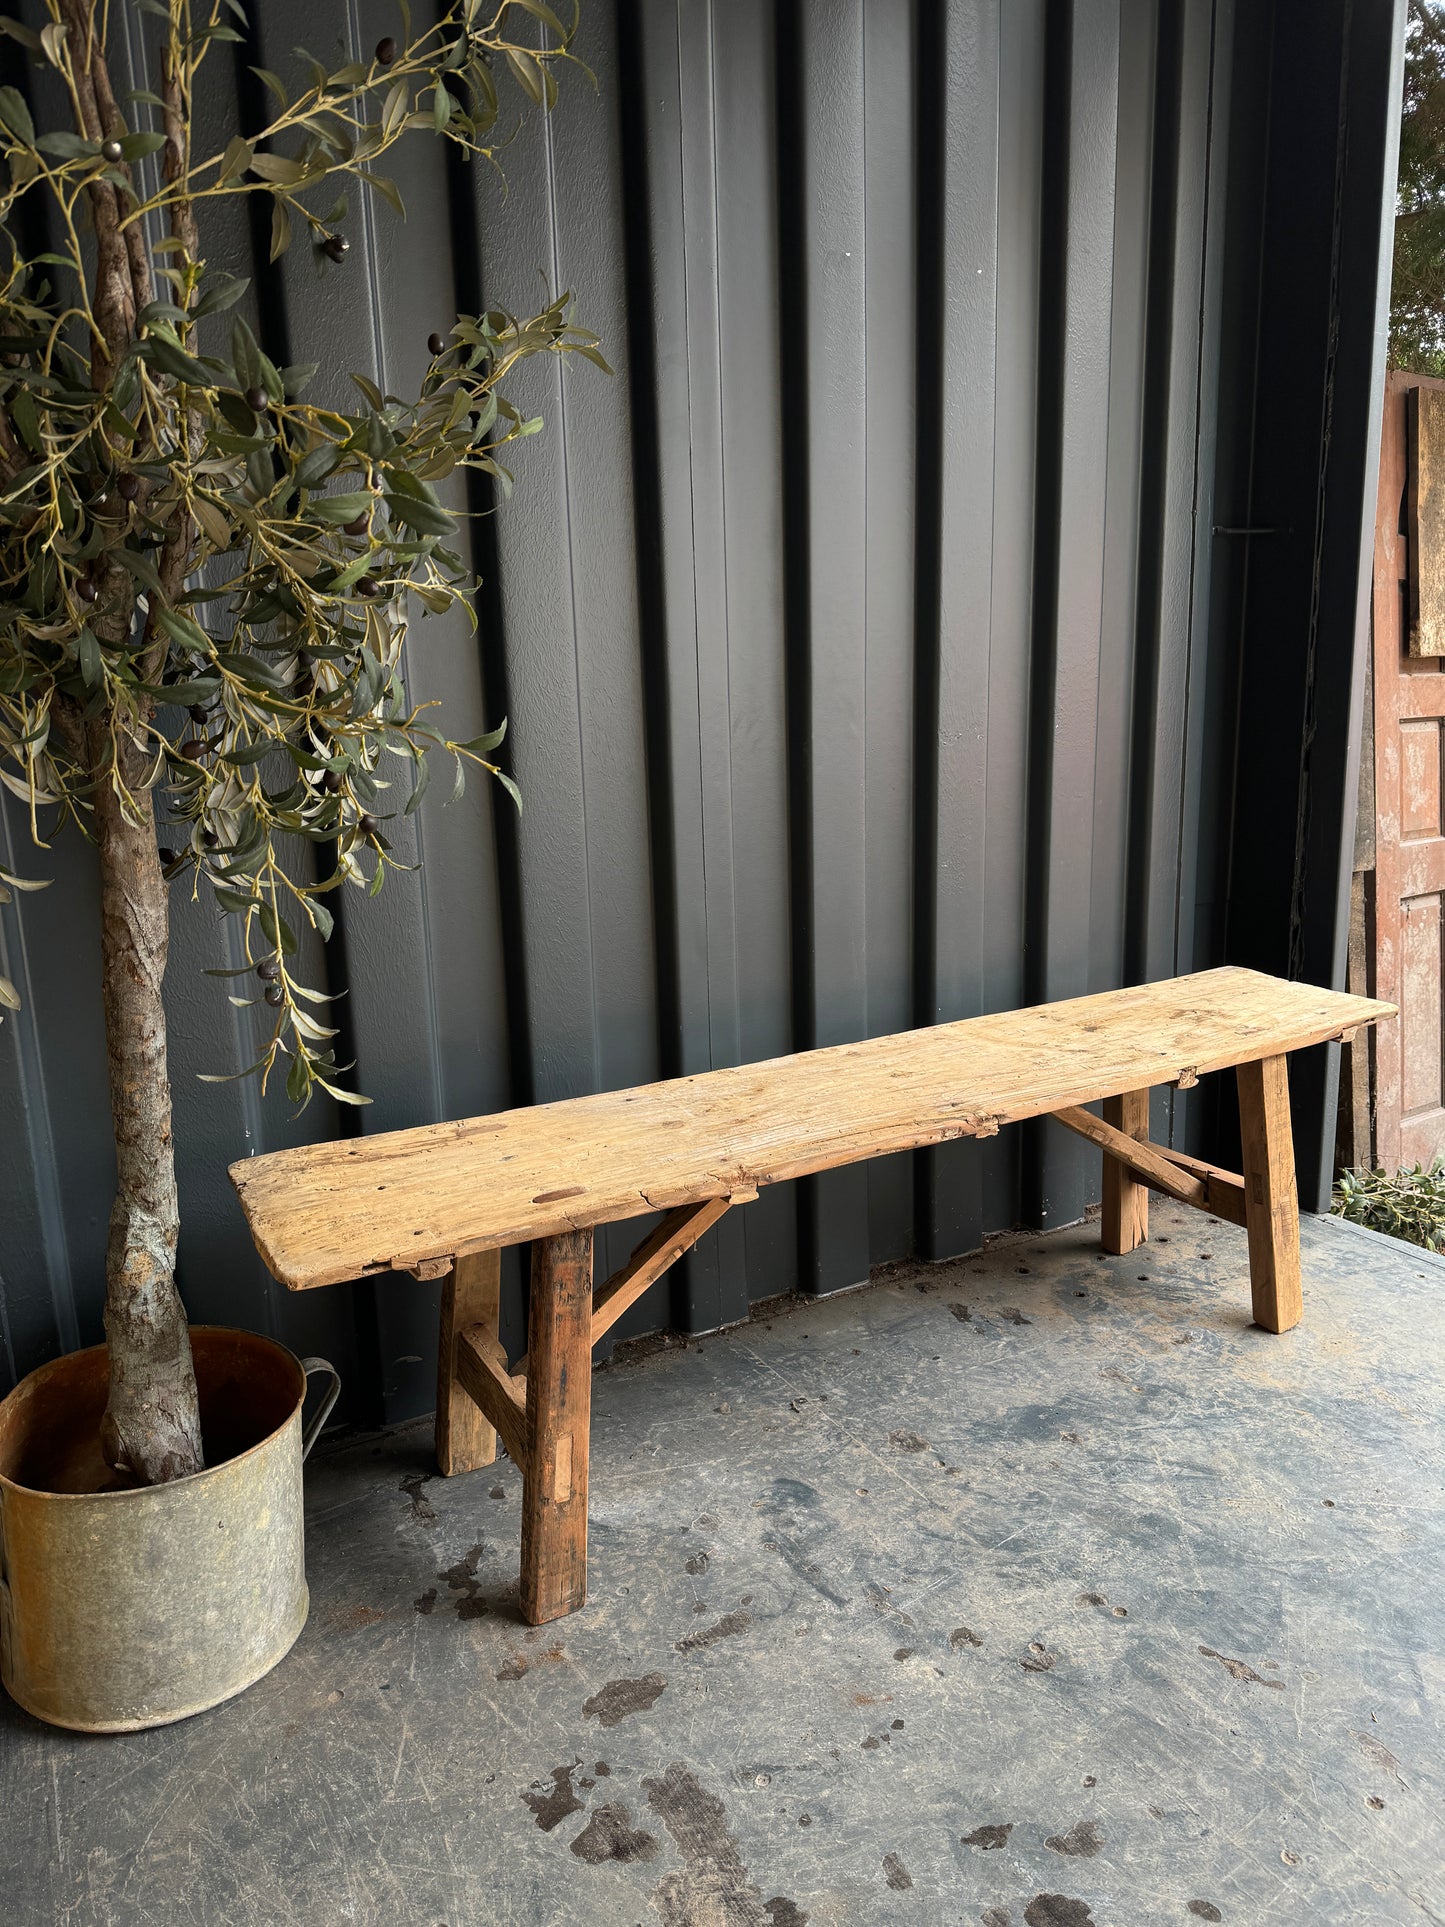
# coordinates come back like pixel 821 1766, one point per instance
pixel 323 1411
pixel 6 1607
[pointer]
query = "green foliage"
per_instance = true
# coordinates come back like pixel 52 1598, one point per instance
pixel 1417 296
pixel 207 578
pixel 1410 1205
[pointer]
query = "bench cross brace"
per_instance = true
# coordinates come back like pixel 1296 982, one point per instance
pixel 541 1410
pixel 1190 1180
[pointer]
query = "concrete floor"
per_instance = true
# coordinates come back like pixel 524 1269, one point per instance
pixel 1032 1590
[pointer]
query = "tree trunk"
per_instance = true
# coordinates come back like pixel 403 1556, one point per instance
pixel 152 1424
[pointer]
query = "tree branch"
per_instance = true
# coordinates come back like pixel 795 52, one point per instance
pixel 114 295
pixel 142 287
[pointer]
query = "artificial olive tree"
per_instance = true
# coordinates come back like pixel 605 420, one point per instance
pixel 206 580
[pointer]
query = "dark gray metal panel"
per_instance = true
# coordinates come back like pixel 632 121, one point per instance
pixel 867 657
pixel 831 364
pixel 890 387
pixel 1082 76
pixel 762 1258
pixel 1126 478
pixel 995 1166
pixel 1176 494
pixel 957 641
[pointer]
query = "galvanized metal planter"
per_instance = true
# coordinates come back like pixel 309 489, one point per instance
pixel 127 1608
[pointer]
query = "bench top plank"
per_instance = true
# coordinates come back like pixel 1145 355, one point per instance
pixel 328 1212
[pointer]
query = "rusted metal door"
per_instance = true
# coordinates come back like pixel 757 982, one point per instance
pixel 1409 703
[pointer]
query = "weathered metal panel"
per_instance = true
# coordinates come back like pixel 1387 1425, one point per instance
pixel 868 655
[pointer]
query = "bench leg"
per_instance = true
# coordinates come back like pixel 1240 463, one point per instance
pixel 1125 1220
pixel 559 1421
pixel 1271 1204
pixel 471 1295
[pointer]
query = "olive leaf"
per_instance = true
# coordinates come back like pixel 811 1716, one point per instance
pixel 207 580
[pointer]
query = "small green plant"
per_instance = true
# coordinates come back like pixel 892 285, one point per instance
pixel 1410 1205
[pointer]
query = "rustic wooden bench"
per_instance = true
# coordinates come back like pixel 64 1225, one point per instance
pixel 443 1200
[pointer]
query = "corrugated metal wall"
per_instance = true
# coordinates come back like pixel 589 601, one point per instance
pixel 857 638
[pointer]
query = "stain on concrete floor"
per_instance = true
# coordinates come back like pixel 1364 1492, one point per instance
pixel 1097 1605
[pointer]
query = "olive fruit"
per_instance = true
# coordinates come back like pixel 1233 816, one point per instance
pixel 332 782
pixel 275 996
pixel 86 589
pixel 356 526
pixel 210 839
pixel 436 344
pixel 268 971
pixel 335 247
pixel 368 824
pixel 193 749
pixel 167 858
pixel 198 713
pixel 368 586
pixel 112 151
pixel 256 399
pixel 385 51
pixel 129 486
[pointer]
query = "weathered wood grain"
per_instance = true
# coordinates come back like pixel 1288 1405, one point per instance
pixel 1145 1161
pixel 1270 1200
pixel 1223 1190
pixel 1426 520
pixel 471 1295
pixel 559 1426
pixel 661 1249
pixel 326 1212
pixel 1124 1221
pixel 1204 1186
pixel 482 1371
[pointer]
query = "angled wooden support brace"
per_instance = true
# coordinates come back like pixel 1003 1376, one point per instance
pixel 1145 1161
pixel 678 1232
pixel 1190 1180
pixel 500 1398
pixel 659 1250
pixel 1224 1190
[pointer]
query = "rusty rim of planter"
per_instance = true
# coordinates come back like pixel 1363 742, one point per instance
pixel 245 1340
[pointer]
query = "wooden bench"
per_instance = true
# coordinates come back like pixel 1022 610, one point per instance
pixel 443 1200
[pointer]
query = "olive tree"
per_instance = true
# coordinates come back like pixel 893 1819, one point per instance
pixel 207 575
